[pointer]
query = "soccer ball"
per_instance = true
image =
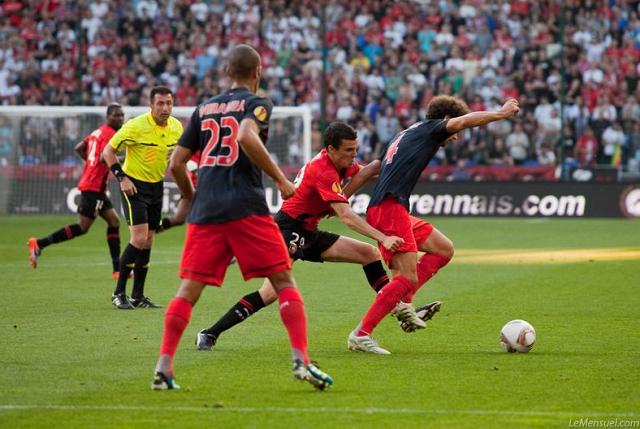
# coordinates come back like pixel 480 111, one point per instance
pixel 517 336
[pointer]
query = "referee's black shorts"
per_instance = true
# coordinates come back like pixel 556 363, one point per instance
pixel 303 244
pixel 145 206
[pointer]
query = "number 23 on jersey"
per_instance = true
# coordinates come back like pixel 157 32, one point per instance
pixel 229 142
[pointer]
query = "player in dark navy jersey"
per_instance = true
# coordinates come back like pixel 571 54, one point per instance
pixel 405 159
pixel 229 214
pixel 93 198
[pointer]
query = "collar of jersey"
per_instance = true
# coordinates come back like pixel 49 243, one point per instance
pixel 153 122
pixel 238 88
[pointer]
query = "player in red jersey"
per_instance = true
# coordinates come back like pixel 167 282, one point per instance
pixel 229 214
pixel 93 199
pixel 183 206
pixel 405 159
pixel 319 193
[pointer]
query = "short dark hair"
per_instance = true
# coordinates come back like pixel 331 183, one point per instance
pixel 338 131
pixel 242 61
pixel 160 89
pixel 446 105
pixel 112 107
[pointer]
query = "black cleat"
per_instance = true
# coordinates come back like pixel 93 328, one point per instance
pixel 426 312
pixel 121 302
pixel 205 341
pixel 144 302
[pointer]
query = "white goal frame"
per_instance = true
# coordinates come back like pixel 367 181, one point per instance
pixel 184 111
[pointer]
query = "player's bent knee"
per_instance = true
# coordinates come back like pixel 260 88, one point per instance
pixel 448 251
pixel 138 243
pixel 190 290
pixel 370 255
pixel 412 276
pixel 282 280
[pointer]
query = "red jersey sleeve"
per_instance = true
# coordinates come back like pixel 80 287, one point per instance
pixel 328 185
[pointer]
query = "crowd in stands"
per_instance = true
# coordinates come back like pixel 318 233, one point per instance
pixel 386 60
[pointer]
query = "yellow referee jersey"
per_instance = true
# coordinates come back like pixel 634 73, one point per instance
pixel 148 146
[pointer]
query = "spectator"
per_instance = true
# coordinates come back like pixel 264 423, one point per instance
pixel 586 149
pixel 365 141
pixel 546 154
pixel 612 140
pixel 387 126
pixel 518 145
pixel 497 154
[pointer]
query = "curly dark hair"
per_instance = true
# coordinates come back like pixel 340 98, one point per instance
pixel 446 105
pixel 336 132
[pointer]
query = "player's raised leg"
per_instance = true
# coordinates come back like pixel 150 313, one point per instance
pixel 438 250
pixel 67 232
pixel 239 312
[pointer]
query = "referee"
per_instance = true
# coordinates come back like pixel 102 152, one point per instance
pixel 148 140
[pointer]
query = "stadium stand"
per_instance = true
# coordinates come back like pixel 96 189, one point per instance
pixel 386 60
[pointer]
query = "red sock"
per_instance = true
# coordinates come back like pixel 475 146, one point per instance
pixel 295 321
pixel 408 298
pixel 428 266
pixel 176 320
pixel 385 300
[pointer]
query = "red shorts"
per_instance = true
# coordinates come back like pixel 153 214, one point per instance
pixel 392 218
pixel 255 241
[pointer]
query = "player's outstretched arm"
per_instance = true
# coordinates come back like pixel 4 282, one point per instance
pixel 249 141
pixel 476 119
pixel 359 225
pixel 366 173
pixel 178 166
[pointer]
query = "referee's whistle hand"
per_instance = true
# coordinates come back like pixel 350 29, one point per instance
pixel 128 187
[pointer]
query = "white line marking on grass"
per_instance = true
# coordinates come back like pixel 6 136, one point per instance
pixel 537 220
pixel 294 410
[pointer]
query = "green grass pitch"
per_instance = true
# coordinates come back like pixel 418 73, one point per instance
pixel 69 359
